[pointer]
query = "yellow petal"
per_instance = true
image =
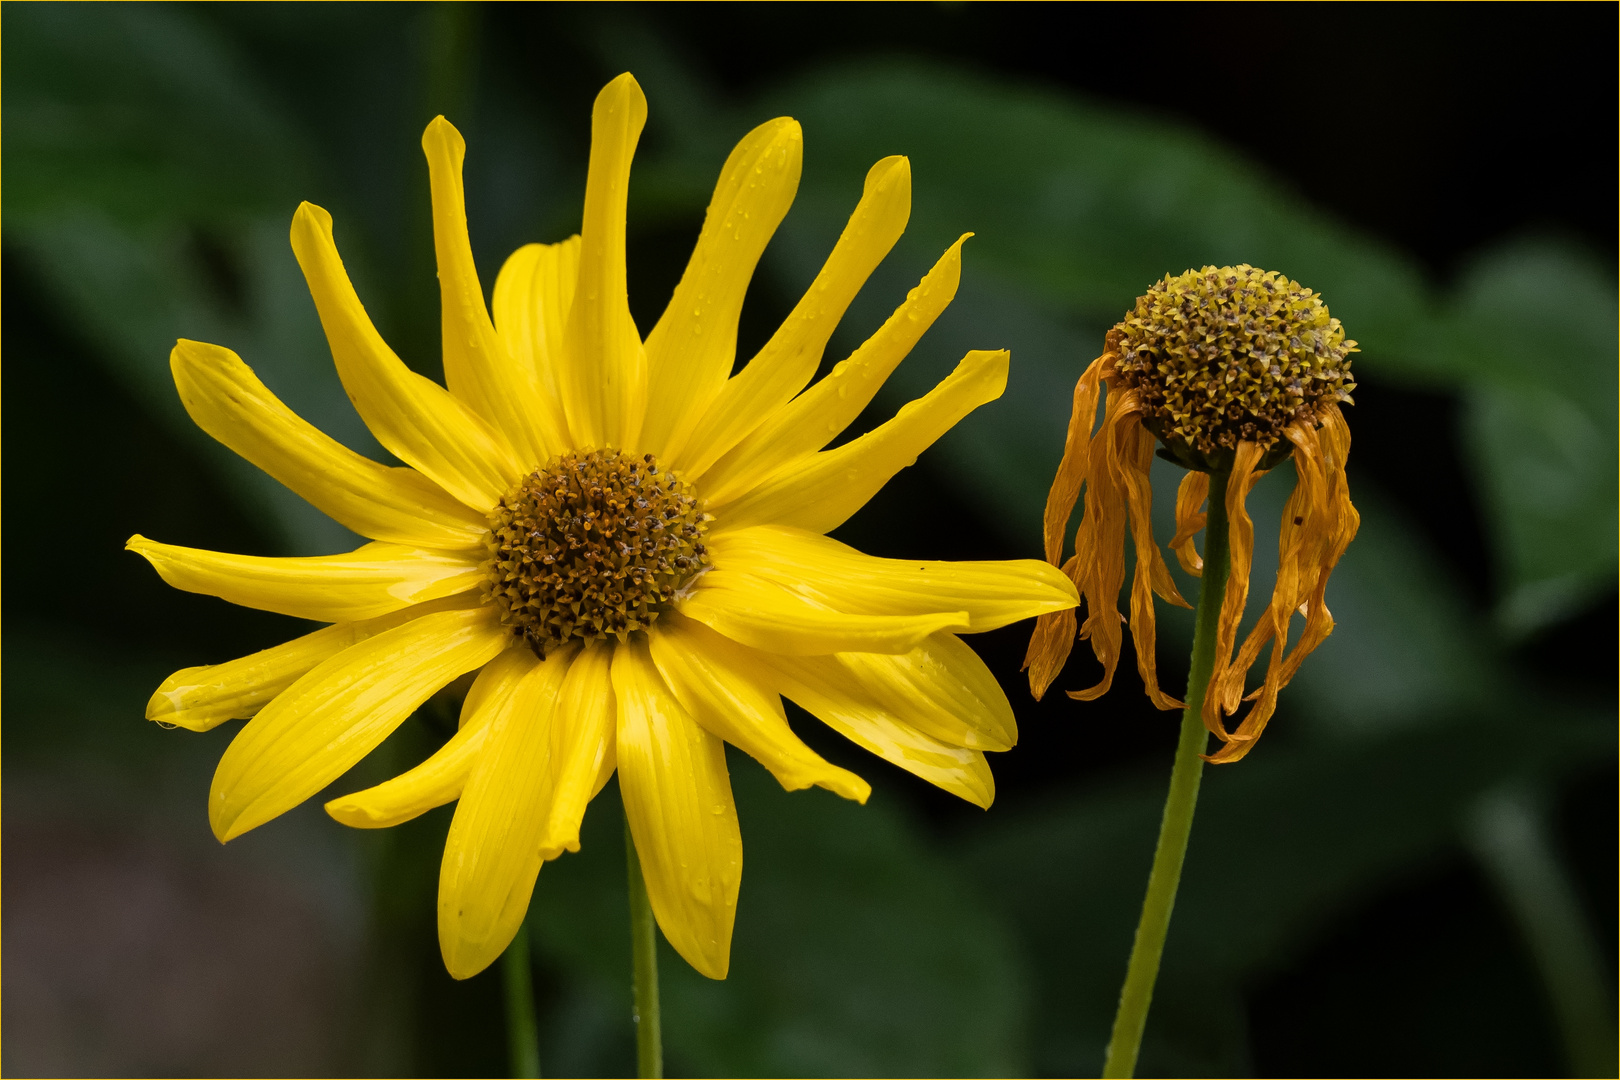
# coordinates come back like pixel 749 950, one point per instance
pixel 942 689
pixel 442 776
pixel 533 294
pixel 817 416
pixel 822 491
pixel 340 710
pixel 228 401
pixel 604 373
pixel 825 689
pixel 582 745
pixel 691 350
pixel 789 360
pixel 992 594
pixel 765 615
pixel 201 698
pixel 414 417
pixel 372 580
pixel 677 799
pixel 492 854
pixel 710 677
pixel 478 367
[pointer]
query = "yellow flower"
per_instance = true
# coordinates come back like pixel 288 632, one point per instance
pixel 626 538
pixel 1232 369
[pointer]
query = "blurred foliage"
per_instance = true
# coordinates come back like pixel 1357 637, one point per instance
pixel 155 155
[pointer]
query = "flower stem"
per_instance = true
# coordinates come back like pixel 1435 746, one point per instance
pixel 522 1036
pixel 644 949
pixel 1176 826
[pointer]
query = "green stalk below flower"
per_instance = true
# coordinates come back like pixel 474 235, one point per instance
pixel 522 1035
pixel 644 964
pixel 1176 827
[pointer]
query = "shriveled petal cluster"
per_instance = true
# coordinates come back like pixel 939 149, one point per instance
pixel 632 661
pixel 1231 369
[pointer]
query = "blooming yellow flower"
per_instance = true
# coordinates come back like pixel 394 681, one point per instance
pixel 626 538
pixel 1232 369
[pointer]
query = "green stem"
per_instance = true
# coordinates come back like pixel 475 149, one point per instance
pixel 1508 831
pixel 1137 993
pixel 522 1037
pixel 644 949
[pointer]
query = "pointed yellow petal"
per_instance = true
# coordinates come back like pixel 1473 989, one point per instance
pixel 691 350
pixel 825 689
pixel 478 367
pixel 822 491
pixel 710 677
pixel 492 854
pixel 201 698
pixel 582 745
pixel 677 799
pixel 533 294
pixel 442 776
pixel 372 580
pixel 817 416
pixel 767 616
pixel 604 374
pixel 229 402
pixel 414 417
pixel 789 360
pixel 340 710
pixel 942 689
pixel 836 575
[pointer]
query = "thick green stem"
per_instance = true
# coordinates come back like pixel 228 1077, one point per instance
pixel 644 963
pixel 522 1037
pixel 1137 993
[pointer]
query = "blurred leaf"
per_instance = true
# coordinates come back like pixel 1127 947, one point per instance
pixel 1283 846
pixel 140 112
pixel 1535 323
pixel 857 952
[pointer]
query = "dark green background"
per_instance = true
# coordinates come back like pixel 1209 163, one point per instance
pixel 1406 878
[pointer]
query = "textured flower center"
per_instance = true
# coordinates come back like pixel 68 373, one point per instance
pixel 1227 354
pixel 592 546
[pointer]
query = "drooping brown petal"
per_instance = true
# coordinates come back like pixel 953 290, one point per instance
pixel 1318 524
pixel 1072 469
pixel 1152 576
pixel 1190 520
pixel 1099 545
pixel 1050 644
pixel 1240 539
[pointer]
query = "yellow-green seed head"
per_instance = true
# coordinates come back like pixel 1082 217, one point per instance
pixel 1231 353
pixel 592 546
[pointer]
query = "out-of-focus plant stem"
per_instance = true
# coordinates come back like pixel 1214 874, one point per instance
pixel 522 1035
pixel 1176 826
pixel 644 965
pixel 1507 831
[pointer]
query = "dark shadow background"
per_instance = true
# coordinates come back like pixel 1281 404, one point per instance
pixel 135 945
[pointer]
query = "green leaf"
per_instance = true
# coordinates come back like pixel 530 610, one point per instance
pixel 1538 322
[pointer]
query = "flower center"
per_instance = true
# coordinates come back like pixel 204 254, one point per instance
pixel 1227 354
pixel 592 545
